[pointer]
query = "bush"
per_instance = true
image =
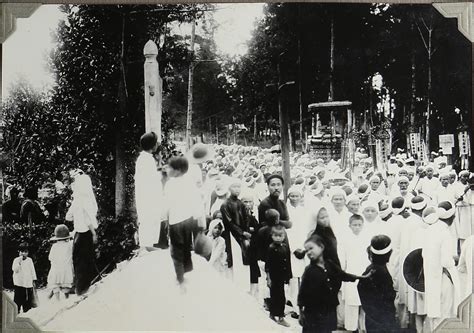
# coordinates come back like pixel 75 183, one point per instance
pixel 115 243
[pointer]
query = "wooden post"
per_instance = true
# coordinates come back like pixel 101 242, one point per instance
pixel 153 90
pixel 284 138
pixel 189 118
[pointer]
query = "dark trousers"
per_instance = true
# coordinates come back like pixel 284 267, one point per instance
pixel 181 244
pixel 277 298
pixel 23 298
pixel 254 271
pixel 319 322
pixel 83 259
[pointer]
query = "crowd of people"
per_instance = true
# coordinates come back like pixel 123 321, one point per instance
pixel 334 251
pixel 334 246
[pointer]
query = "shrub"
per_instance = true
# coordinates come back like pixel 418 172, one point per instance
pixel 115 243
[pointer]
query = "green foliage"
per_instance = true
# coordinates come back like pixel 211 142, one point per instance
pixel 368 39
pixel 94 115
pixel 115 241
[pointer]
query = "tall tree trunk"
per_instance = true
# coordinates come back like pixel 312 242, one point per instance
pixel 411 116
pixel 189 117
pixel 300 98
pixel 428 99
pixel 120 169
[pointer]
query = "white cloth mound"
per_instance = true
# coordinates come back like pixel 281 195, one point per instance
pixel 144 295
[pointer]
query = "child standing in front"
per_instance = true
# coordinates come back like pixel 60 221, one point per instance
pixel 24 275
pixel 279 273
pixel 61 274
pixel 218 258
pixel 320 284
pixel 354 260
pixel 377 294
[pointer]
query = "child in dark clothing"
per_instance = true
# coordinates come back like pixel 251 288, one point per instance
pixel 264 237
pixel 279 273
pixel 320 284
pixel 376 293
pixel 263 241
pixel 252 251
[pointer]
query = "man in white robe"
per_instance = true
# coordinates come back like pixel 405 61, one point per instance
pixel 148 193
pixel 441 279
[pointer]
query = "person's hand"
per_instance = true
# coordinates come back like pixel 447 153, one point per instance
pixel 299 253
pixel 247 234
pixel 366 276
pixel 246 243
pixel 94 238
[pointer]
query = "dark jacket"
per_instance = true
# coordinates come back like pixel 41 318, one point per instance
pixel 236 221
pixel 273 203
pixel 319 287
pixel 377 297
pixel 330 243
pixel 263 241
pixel 278 263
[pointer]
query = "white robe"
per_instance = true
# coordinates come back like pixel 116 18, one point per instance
pixel 441 296
pixel 416 300
pixel 464 211
pixel 465 266
pixel 339 223
pixel 354 260
pixel 445 194
pixel 297 235
pixel 149 199
pixel 408 227
pixel 429 188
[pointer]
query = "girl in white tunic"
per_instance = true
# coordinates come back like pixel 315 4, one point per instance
pixel 61 273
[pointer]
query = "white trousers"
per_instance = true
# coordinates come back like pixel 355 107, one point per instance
pixel 354 318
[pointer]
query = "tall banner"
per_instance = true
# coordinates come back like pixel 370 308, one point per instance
pixel 423 155
pixel 464 149
pixel 415 143
pixel 446 143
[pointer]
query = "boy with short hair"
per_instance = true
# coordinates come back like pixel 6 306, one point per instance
pixel 24 277
pixel 278 272
pixel 354 261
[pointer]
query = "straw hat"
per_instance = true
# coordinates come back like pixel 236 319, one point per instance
pixel 61 232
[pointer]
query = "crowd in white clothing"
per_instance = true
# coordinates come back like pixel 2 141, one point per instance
pixel 426 207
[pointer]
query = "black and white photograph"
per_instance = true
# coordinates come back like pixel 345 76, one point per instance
pixel 237 167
